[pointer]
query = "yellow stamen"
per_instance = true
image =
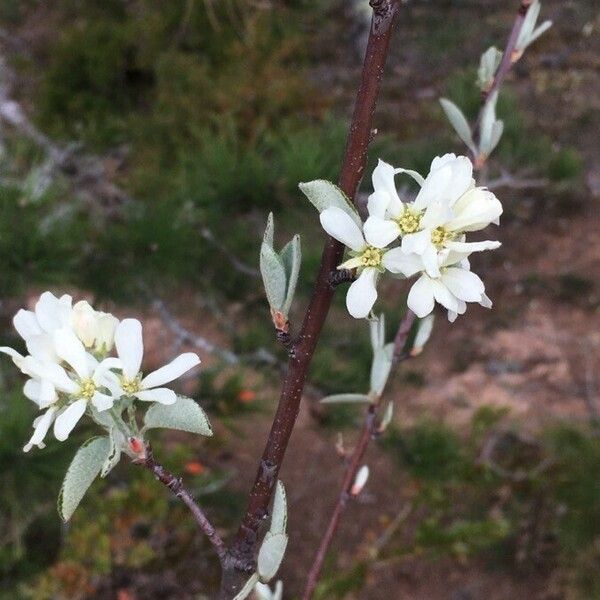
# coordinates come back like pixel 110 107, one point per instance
pixel 131 386
pixel 371 257
pixel 409 222
pixel 87 389
pixel 439 236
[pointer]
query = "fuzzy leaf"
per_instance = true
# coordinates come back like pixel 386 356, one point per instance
pixel 380 369
pixel 291 257
pixel 116 439
pixel 263 591
pixel 82 471
pixel 488 121
pixel 323 194
pixel 488 65
pixel 248 587
pixel 185 415
pixel 279 516
pixel 459 123
pixel 270 555
pixel 377 330
pixel 350 398
pixel 273 276
pixel 424 329
pixel 269 231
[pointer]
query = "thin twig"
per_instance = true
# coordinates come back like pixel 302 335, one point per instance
pixel 367 433
pixel 175 485
pixel 402 336
pixel 384 15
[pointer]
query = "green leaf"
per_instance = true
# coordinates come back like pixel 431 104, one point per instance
pixel 248 587
pixel 291 257
pixel 489 129
pixel 424 329
pixel 459 122
pixel 273 276
pixel 380 369
pixel 279 516
pixel 185 415
pixel 488 65
pixel 323 194
pixel 270 555
pixel 82 471
pixel 269 231
pixel 116 439
pixel 350 398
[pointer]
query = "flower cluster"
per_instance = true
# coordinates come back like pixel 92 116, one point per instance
pixel 425 237
pixel 70 372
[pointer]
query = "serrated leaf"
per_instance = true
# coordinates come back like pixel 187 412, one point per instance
pixel 116 439
pixel 279 516
pixel 350 398
pixel 459 123
pixel 291 257
pixel 380 368
pixel 82 471
pixel 184 415
pixel 270 555
pixel 323 194
pixel 248 587
pixel 273 276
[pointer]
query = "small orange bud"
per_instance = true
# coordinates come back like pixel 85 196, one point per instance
pixel 137 446
pixel 246 396
pixel 194 467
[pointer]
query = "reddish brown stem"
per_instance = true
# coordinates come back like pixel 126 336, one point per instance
pixel 355 461
pixel 243 548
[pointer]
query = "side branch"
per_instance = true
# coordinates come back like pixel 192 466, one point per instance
pixel 384 14
pixel 175 485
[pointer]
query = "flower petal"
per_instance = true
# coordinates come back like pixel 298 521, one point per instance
pixel 339 225
pixel 176 368
pixel 443 295
pixel 475 210
pixel 68 418
pixel 430 261
pixel 42 347
pixel 41 424
pixel 16 357
pixel 71 350
pixel 468 247
pixel 26 324
pixel 162 395
pixel 380 232
pixel 102 401
pixel 433 187
pixel 416 242
pixel 383 180
pixel 52 312
pixel 130 345
pixel 463 284
pixel 51 372
pixel 420 298
pixel 398 261
pixel 377 204
pixel 362 294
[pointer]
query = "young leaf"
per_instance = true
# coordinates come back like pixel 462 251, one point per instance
pixel 377 330
pixel 269 231
pixel 323 194
pixel 488 65
pixel 248 587
pixel 270 555
pixel 488 119
pixel 424 329
pixel 279 516
pixel 82 471
pixel 459 122
pixel 386 419
pixel 273 276
pixel 116 439
pixel 291 257
pixel 360 480
pixel 185 415
pixel 263 591
pixel 350 398
pixel 380 368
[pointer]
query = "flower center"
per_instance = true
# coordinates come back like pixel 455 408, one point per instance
pixel 131 386
pixel 439 236
pixel 409 222
pixel 371 257
pixel 87 389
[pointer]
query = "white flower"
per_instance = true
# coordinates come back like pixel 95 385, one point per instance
pixel 455 286
pixel 368 260
pixel 94 328
pixel 447 206
pixel 84 381
pixel 130 350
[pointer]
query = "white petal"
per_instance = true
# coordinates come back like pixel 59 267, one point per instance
pixel 176 368
pixel 433 189
pixel 52 312
pixel 439 161
pixel 460 181
pixel 436 214
pixel 420 298
pixel 431 261
pixel 475 210
pixel 380 232
pixel 130 345
pixel 42 347
pixel 32 389
pixel 442 295
pixel 102 401
pixel 377 204
pixel 68 418
pixel 52 372
pixel 26 324
pixel 162 395
pixel 48 394
pixel 398 261
pixel 41 424
pixel 463 284
pixel 362 294
pixel 383 180
pixel 71 350
pixel 16 357
pixel 485 301
pixel 468 247
pixel 416 242
pixel 339 225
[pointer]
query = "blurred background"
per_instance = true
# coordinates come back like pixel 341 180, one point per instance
pixel 142 144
